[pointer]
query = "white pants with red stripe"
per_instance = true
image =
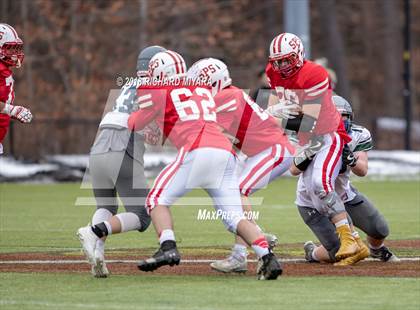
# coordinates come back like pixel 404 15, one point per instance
pixel 261 169
pixel 211 169
pixel 318 180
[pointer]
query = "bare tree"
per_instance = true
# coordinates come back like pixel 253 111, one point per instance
pixel 334 45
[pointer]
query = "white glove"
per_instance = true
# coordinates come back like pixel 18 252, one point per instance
pixel 20 113
pixel 152 134
pixel 284 111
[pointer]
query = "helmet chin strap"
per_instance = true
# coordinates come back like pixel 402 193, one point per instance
pixel 18 63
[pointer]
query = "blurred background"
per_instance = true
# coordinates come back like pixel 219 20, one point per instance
pixel 75 50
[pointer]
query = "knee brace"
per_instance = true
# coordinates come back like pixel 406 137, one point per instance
pixel 144 217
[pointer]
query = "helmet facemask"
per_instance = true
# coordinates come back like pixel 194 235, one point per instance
pixel 286 65
pixel 12 53
pixel 348 121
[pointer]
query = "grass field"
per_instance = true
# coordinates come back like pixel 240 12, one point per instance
pixel 41 218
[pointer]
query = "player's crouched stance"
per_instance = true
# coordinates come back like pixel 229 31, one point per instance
pixel 186 115
pixel 362 212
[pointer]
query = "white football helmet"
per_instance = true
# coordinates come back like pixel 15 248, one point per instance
pixel 286 54
pixel 167 64
pixel 210 71
pixel 11 46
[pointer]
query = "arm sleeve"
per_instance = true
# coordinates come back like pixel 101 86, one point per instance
pixel 146 113
pixel 301 123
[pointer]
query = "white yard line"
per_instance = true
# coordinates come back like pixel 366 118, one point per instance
pixel 184 261
pixel 61 305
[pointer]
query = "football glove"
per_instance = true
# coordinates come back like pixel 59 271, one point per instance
pixel 348 157
pixel 19 113
pixel 284 111
pixel 304 157
pixel 152 134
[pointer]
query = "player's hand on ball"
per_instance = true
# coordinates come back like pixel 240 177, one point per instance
pixel 284 111
pixel 348 157
pixel 20 113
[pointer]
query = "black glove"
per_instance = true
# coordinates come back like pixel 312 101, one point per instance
pixel 348 157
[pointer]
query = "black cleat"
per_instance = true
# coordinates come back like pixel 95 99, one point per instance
pixel 166 255
pixel 270 268
pixel 384 254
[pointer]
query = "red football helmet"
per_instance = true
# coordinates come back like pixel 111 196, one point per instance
pixel 286 54
pixel 11 46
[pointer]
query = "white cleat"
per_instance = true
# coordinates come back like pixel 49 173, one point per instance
pixel 88 240
pixel 99 269
pixel 230 264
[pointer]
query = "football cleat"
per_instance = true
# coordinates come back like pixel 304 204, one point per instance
pixel 99 269
pixel 348 245
pixel 166 255
pixel 269 267
pixel 309 247
pixel 384 254
pixel 361 254
pixel 231 264
pixel 88 240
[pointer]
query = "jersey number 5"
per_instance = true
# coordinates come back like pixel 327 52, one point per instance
pixel 188 109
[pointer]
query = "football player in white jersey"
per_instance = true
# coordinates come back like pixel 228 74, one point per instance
pixel 116 166
pixel 362 212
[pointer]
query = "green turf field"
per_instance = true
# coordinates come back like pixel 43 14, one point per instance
pixel 44 218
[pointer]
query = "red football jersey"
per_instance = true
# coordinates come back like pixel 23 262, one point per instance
pixel 310 83
pixel 186 115
pixel 242 118
pixel 7 95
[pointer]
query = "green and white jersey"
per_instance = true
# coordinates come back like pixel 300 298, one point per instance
pixel 361 142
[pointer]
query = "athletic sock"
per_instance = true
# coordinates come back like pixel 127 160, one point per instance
pixel 102 229
pixel 166 234
pixel 342 223
pixel 260 246
pixel 313 255
pixel 240 251
pixel 373 247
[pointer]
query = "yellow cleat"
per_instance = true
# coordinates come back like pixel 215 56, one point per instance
pixel 361 254
pixel 348 245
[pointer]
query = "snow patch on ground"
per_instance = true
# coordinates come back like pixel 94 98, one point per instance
pixel 382 165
